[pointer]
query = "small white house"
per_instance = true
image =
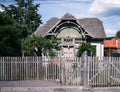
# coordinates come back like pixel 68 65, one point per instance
pixel 70 32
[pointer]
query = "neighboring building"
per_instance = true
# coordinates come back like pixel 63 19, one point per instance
pixel 70 32
pixel 112 47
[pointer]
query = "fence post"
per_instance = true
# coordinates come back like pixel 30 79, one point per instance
pixel 82 75
pixel 11 71
pixel 83 68
pixel 109 70
pixel 62 69
pixel 88 70
pixel 37 69
pixel 3 69
pixel 27 68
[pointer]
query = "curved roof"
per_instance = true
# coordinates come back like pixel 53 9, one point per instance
pixel 92 26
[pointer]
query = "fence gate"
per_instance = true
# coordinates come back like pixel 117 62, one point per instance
pixel 105 72
pixel 74 71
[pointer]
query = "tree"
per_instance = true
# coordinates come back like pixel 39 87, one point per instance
pixel 9 38
pixel 85 47
pixel 118 34
pixel 16 23
pixel 25 13
pixel 39 45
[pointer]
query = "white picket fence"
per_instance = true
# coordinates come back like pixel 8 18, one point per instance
pixel 68 71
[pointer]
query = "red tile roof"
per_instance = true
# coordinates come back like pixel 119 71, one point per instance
pixel 119 43
pixel 113 43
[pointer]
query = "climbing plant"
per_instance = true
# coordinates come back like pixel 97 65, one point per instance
pixel 85 47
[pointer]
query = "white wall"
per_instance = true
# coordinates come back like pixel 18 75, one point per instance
pixel 99 49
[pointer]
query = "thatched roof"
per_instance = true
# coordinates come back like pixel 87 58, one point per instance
pixel 68 16
pixel 46 27
pixel 92 26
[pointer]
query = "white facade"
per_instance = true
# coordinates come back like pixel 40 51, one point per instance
pixel 99 49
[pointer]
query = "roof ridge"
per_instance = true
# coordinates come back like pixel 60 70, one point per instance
pixel 68 16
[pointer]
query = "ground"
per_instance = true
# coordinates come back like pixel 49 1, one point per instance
pixel 29 83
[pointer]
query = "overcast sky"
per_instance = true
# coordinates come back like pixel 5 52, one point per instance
pixel 108 11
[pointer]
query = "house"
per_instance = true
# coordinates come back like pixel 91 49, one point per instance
pixel 112 47
pixel 71 32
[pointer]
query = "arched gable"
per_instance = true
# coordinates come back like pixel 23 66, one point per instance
pixel 69 29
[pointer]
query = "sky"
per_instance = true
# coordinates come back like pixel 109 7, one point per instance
pixel 108 11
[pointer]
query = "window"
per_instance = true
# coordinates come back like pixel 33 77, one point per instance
pixel 68 40
pixel 78 40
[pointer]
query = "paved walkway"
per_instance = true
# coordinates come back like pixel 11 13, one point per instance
pixel 29 83
pixel 39 86
pixel 106 89
pixel 49 86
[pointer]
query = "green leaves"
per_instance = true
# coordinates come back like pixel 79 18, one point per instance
pixel 35 44
pixel 85 47
pixel 17 22
pixel 9 39
pixel 118 34
pixel 25 13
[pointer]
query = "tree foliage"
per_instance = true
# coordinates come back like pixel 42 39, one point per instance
pixel 85 47
pixel 16 23
pixel 39 45
pixel 25 13
pixel 118 34
pixel 9 38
